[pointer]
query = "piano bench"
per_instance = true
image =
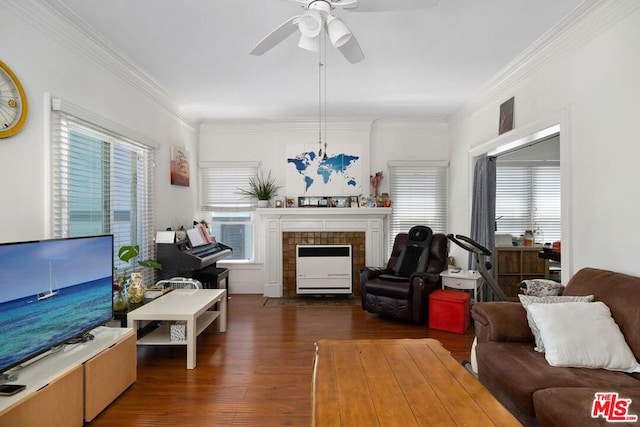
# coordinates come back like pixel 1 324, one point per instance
pixel 212 277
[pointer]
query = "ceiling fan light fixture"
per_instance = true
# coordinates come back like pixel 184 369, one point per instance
pixel 310 23
pixel 311 44
pixel 338 31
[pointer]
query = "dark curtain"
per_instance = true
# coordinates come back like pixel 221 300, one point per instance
pixel 483 210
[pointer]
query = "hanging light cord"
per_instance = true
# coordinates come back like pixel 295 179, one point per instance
pixel 324 55
pixel 320 100
pixel 322 93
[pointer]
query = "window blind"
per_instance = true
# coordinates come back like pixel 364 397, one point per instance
pixel 419 196
pixel 528 198
pixel 221 184
pixel 102 183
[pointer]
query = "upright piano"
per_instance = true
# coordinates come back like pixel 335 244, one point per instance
pixel 180 259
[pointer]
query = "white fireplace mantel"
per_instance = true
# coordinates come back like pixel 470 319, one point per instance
pixel 272 222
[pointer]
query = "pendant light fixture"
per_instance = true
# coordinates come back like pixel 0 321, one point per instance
pixel 315 25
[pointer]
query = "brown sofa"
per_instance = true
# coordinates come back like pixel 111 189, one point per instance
pixel 538 393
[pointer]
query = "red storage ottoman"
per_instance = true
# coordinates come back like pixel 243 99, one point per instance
pixel 449 311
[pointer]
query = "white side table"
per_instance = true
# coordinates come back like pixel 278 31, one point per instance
pixel 467 280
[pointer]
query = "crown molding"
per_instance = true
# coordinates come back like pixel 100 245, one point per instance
pixel 333 124
pixel 585 22
pixel 261 127
pixel 235 123
pixel 395 125
pixel 305 124
pixel 58 22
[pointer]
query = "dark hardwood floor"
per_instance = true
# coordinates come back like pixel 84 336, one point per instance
pixel 258 373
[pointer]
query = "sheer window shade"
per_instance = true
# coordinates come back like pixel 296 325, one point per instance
pixel 102 183
pixel 419 195
pixel 220 185
pixel 528 197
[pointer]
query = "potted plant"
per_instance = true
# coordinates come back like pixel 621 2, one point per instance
pixel 126 253
pixel 262 189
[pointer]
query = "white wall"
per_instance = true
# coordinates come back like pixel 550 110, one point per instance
pixel 591 88
pixel 266 141
pixel 407 139
pixel 49 57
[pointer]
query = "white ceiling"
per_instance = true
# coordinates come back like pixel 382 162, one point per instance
pixel 418 63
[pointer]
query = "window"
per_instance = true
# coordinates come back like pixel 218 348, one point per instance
pixel 528 198
pixel 231 212
pixel 102 183
pixel 419 195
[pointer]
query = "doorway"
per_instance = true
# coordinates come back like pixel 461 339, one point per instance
pixel 555 150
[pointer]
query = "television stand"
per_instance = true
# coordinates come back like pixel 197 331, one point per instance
pixel 82 378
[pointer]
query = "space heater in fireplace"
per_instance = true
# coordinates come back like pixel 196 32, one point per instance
pixel 323 269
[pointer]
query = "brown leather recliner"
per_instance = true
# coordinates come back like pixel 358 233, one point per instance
pixel 408 298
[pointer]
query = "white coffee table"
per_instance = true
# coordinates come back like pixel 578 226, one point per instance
pixel 188 305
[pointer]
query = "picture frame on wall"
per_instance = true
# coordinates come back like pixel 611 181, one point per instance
pixel 179 166
pixel 506 116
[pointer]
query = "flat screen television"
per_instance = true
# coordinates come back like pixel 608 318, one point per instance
pixel 52 291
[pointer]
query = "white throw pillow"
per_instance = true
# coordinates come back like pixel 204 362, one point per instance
pixel 528 299
pixel 583 335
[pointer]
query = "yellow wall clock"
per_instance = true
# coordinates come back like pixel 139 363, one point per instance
pixel 13 103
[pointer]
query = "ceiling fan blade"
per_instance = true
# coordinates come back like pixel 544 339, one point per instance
pixel 276 36
pixel 390 5
pixel 351 50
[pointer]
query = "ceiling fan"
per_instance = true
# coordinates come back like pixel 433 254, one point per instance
pixel 318 17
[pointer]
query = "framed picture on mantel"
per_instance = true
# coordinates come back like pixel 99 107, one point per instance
pixel 323 202
pixel 290 202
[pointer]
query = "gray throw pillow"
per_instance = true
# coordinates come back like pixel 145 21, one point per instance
pixel 528 299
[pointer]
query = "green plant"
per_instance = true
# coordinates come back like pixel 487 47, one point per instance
pixel 261 188
pixel 126 253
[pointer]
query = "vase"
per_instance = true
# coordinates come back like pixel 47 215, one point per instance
pixel 136 288
pixel 120 303
pixel 263 203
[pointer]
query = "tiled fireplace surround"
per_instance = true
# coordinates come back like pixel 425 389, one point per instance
pixel 282 229
pixel 290 239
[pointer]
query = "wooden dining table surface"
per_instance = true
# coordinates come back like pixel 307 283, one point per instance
pixel 398 382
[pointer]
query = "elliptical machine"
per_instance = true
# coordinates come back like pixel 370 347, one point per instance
pixel 481 253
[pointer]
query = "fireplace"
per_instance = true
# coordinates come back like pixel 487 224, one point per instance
pixel 280 230
pixel 291 239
